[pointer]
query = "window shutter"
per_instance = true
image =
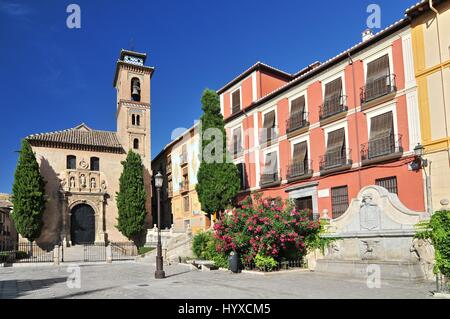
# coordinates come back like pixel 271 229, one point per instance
pixel 269 120
pixel 333 88
pixel 381 125
pixel 236 100
pixel 298 105
pixel 270 165
pixel 237 140
pixel 378 68
pixel 300 150
pixel 336 140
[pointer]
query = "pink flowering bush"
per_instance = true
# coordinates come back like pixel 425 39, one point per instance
pixel 266 227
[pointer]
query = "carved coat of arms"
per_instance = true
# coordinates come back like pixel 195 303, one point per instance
pixel 369 213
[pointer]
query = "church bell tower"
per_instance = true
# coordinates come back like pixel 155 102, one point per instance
pixel 132 82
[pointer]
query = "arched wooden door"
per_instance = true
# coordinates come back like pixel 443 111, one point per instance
pixel 82 224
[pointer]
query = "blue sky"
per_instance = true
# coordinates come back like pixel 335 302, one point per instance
pixel 53 78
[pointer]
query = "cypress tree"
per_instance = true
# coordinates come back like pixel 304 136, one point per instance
pixel 131 197
pixel 218 181
pixel 28 195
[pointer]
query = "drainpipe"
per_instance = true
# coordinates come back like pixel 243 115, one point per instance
pixel 356 118
pixel 248 146
pixel 430 3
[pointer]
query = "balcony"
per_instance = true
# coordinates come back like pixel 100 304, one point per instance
pixel 333 108
pixel 378 91
pixel 270 180
pixel 335 161
pixel 267 136
pixel 183 159
pixel 297 171
pixel 382 149
pixel 169 192
pixel 184 186
pixel 169 168
pixel 297 123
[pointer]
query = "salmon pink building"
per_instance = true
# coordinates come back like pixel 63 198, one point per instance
pixel 320 135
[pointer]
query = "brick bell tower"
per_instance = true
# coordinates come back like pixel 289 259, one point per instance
pixel 132 82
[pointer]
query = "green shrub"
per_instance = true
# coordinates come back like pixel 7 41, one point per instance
pixel 220 260
pixel 144 250
pixel 438 230
pixel 264 263
pixel 201 245
pixel 204 247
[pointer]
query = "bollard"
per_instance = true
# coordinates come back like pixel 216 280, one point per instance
pixel 56 255
pixel 109 254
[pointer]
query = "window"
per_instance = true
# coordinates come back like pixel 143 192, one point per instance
pixel 270 170
pixel 186 203
pixel 237 141
pixel 390 183
pixel 339 200
pixel 135 89
pixel 268 127
pixel 71 162
pixel 241 169
pixel 133 119
pixel 299 164
pixel 378 80
pixel 138 120
pixel 297 117
pixel 333 100
pixel 95 164
pixel 336 152
pixel 136 144
pixel 236 101
pixel 381 139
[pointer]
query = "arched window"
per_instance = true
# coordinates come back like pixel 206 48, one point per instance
pixel 133 119
pixel 135 89
pixel 136 144
pixel 95 164
pixel 71 162
pixel 138 120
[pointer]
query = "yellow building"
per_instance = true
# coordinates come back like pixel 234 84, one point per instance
pixel 430 23
pixel 179 162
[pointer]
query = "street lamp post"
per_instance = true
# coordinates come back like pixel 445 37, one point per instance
pixel 423 163
pixel 159 273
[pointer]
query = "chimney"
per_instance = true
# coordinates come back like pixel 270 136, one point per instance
pixel 366 35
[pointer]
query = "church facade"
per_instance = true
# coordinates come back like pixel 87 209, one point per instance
pixel 82 166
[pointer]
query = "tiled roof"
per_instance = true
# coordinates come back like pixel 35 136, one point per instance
pixel 80 136
pixel 256 66
pixel 5 204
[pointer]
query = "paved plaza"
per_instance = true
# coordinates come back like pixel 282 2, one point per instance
pixel 135 280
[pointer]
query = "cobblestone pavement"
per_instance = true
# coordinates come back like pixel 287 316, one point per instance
pixel 136 280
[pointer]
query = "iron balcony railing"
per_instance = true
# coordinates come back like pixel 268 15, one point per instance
pixel 269 178
pixel 297 169
pixel 335 159
pixel 378 87
pixel 381 146
pixel 267 135
pixel 333 105
pixel 297 121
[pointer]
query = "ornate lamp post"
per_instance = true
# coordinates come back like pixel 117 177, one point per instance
pixel 159 273
pixel 422 163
